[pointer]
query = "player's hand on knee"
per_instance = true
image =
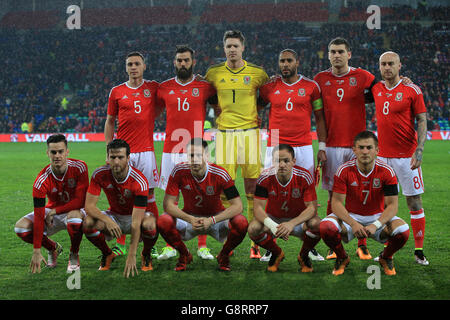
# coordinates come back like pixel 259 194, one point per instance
pixel 370 229
pixel 359 231
pixel 113 229
pixel 49 218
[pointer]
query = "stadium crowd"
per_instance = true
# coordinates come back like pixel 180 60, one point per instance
pixel 59 80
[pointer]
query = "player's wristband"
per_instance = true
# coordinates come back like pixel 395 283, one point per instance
pixel 213 219
pixel 322 146
pixel 272 225
pixel 377 224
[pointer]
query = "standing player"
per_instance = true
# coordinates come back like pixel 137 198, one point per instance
pixel 343 93
pixel 202 184
pixel 294 97
pixel 365 204
pixel 64 182
pixel 285 204
pixel 185 100
pixel 126 189
pixel 132 103
pixel 238 138
pixel 397 106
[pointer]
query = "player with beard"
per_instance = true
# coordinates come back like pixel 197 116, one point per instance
pixel 185 99
pixel 294 97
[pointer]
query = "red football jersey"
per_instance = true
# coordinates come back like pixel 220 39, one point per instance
pixel 396 109
pixel 344 104
pixel 64 194
pixel 135 111
pixel 121 195
pixel 286 201
pixel 290 110
pixel 364 193
pixel 201 198
pixel 185 111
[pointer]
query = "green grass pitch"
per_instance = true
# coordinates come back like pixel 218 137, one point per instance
pixel 20 163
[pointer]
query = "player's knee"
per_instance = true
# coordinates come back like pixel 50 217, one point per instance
pixel 149 223
pixel 239 223
pixel 23 223
pixel 88 224
pixel 75 214
pixel 414 203
pixel 254 229
pixel 328 227
pixel 313 224
pixel 165 222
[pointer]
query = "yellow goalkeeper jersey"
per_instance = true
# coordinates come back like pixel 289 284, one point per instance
pixel 237 94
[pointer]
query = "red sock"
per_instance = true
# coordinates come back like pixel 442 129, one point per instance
pixel 167 229
pixel 149 238
pixel 267 241
pixel 122 240
pixel 310 239
pixel 418 227
pixel 98 239
pixel 202 240
pixel 332 238
pixel 75 233
pixel 27 236
pixel 238 229
pixel 362 242
pixel 395 243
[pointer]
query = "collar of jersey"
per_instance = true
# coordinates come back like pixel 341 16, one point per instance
pixel 54 175
pixel 342 75
pixel 287 183
pixel 183 84
pixel 365 175
pixel 126 83
pixel 206 173
pixel 239 70
pixel 390 89
pixel 126 178
pixel 291 84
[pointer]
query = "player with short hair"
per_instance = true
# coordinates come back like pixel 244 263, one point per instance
pixel 185 99
pixel 285 204
pixel 126 189
pixel 365 204
pixel 398 106
pixel 344 89
pixel 238 139
pixel 64 182
pixel 294 97
pixel 132 103
pixel 202 184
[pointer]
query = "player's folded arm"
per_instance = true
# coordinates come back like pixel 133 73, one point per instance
pixel 260 201
pixel 390 203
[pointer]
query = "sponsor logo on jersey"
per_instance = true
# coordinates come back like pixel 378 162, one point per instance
pixel 328 83
pixel 340 81
pixel 301 92
pixel 234 80
pixel 399 96
pixel 352 81
pixel 222 81
pixel 277 92
pixel 195 92
pixel 136 94
pixel 125 97
pixel 147 93
pixel 187 187
pixel 376 183
pixel 54 190
pixel 183 91
pixel 273 193
pixel 209 190
pixel 110 186
pixel 171 92
pixel 354 184
pixel 289 91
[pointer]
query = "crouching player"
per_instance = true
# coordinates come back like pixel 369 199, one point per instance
pixel 285 204
pixel 126 189
pixel 368 187
pixel 201 184
pixel 64 181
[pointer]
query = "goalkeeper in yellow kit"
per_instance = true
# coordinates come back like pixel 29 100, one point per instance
pixel 237 141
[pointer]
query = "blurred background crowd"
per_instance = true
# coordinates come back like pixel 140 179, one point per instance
pixel 58 80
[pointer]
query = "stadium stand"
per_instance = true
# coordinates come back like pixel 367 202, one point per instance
pixel 59 79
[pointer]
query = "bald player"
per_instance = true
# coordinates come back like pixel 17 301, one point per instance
pixel 398 106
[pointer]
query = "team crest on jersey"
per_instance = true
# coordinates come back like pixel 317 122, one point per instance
pixel 209 190
pixel 352 81
pixel 147 93
pixel 399 96
pixel 301 92
pixel 195 92
pixel 247 79
pixel 71 183
pixel 376 183
pixel 295 193
pixel 127 193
